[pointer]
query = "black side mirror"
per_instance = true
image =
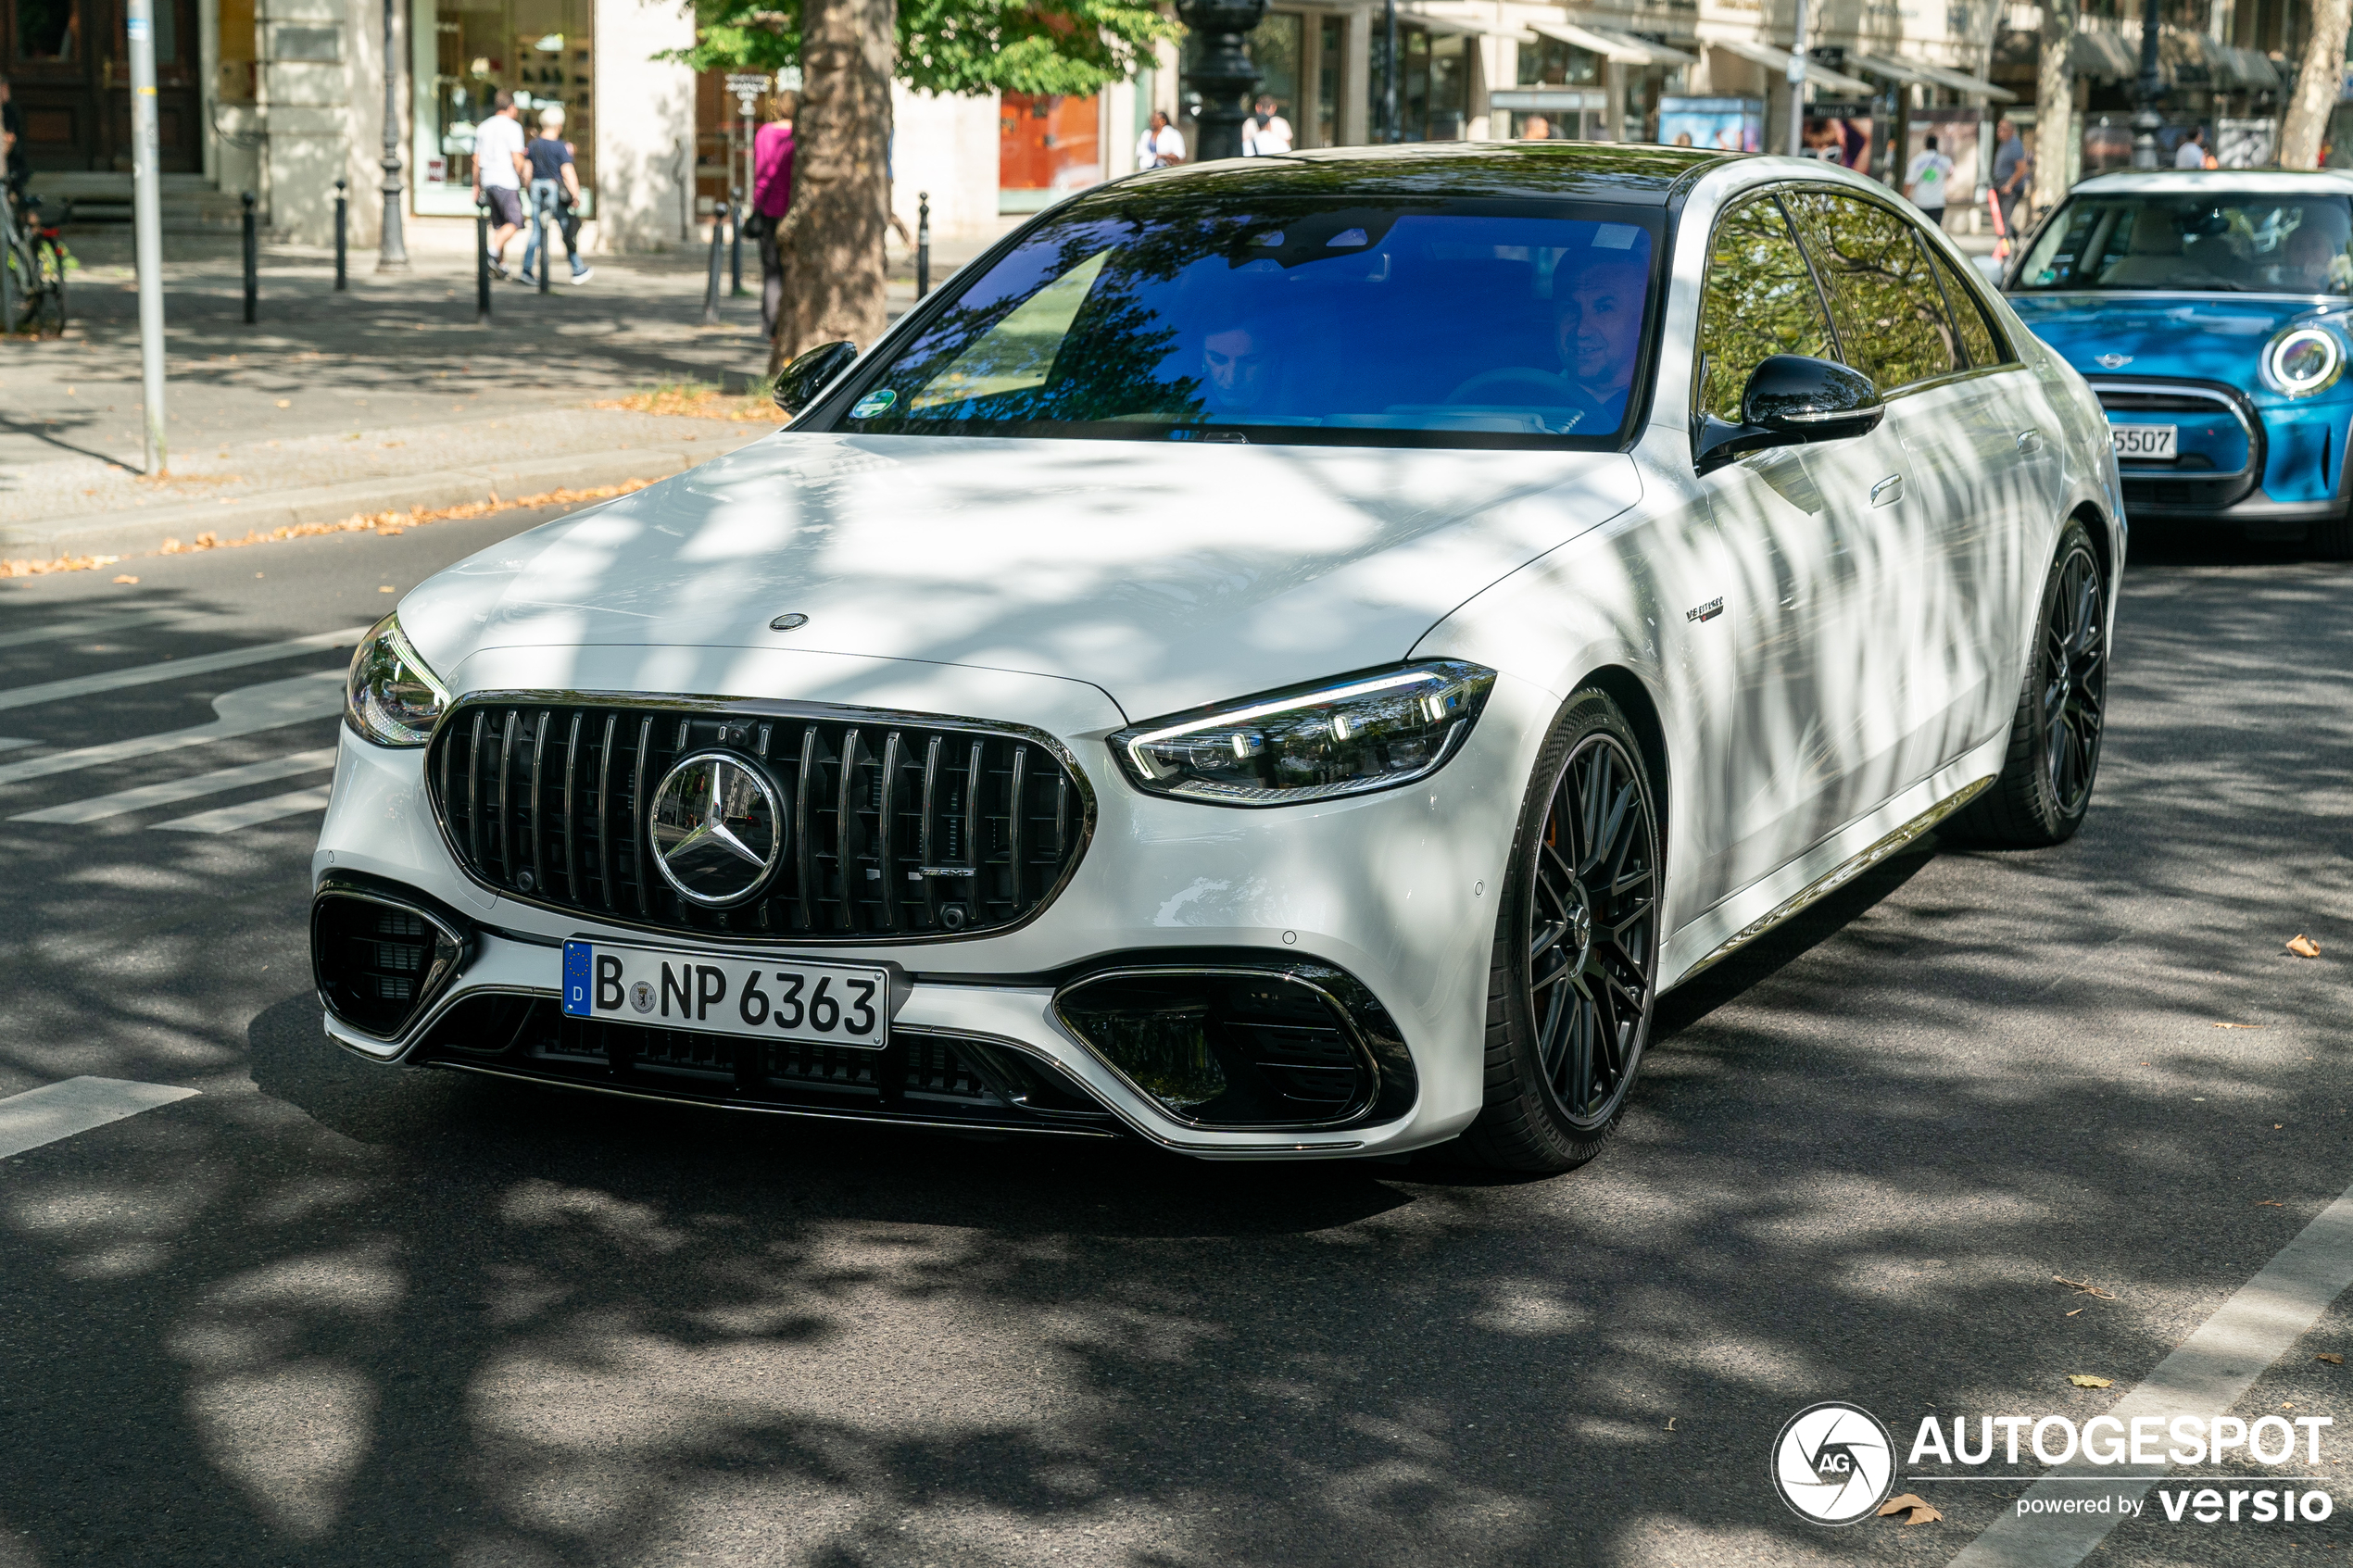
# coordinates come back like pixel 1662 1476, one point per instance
pixel 1791 400
pixel 799 384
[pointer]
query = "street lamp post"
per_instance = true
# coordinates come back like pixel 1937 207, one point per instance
pixel 1225 78
pixel 1797 86
pixel 1391 131
pixel 2147 121
pixel 392 250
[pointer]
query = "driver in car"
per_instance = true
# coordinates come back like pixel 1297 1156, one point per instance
pixel 1238 367
pixel 1597 326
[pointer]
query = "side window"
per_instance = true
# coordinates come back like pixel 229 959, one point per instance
pixel 1890 313
pixel 1759 300
pixel 1978 337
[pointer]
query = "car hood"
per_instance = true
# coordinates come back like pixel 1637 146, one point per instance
pixel 1167 575
pixel 2204 337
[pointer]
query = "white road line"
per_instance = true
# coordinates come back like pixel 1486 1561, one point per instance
pixel 60 1110
pixel 243 711
pixel 2212 1371
pixel 174 669
pixel 175 790
pixel 228 818
pixel 89 625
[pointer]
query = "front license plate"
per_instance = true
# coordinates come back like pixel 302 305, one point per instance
pixel 759 998
pixel 2148 444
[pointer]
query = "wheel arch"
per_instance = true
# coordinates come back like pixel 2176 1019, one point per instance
pixel 1625 687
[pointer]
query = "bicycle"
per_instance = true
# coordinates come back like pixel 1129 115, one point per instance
pixel 33 268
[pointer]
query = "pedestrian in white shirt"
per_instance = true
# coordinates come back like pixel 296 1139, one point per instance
pixel 499 171
pixel 1160 146
pixel 1927 180
pixel 2191 154
pixel 1266 132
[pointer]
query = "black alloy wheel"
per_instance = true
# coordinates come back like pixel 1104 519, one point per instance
pixel 2044 789
pixel 1576 963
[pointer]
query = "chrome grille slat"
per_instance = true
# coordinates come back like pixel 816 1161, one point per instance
pixel 902 828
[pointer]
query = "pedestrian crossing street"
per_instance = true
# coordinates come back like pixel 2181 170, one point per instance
pixel 260 709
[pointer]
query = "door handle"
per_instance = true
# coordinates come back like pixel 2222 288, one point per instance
pixel 2030 441
pixel 1888 491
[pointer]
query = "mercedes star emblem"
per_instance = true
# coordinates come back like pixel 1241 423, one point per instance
pixel 717 832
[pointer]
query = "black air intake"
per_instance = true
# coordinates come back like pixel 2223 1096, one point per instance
pixel 378 958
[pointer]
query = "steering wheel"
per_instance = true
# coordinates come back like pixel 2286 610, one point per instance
pixel 1523 385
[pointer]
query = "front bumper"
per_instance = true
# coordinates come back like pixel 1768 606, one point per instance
pixel 1393 894
pixel 2241 461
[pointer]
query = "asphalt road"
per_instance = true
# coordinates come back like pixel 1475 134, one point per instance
pixel 326 1314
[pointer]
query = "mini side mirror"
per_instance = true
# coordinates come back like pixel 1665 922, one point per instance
pixel 1791 400
pixel 800 383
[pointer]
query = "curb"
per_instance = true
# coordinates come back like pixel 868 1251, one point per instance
pixel 144 532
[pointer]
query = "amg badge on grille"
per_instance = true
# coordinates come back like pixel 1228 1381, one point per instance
pixel 717 830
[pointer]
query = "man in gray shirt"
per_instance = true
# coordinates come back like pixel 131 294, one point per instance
pixel 2013 176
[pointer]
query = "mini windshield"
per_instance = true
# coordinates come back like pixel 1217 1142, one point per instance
pixel 1418 324
pixel 2206 241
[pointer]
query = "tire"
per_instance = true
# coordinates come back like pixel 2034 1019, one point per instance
pixel 2332 540
pixel 49 312
pixel 2045 783
pixel 1573 977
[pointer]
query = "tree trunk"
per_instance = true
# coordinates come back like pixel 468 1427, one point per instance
pixel 2054 104
pixel 833 252
pixel 2316 85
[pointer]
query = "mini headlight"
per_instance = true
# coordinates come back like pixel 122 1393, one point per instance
pixel 1368 731
pixel 2303 360
pixel 392 700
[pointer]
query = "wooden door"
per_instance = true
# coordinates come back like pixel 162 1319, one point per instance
pixel 69 65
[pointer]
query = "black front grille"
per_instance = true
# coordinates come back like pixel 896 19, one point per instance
pixel 2156 400
pixel 895 826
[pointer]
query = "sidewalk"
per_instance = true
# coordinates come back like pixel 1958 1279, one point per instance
pixel 386 396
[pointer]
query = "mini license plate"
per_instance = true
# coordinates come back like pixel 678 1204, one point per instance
pixel 2148 444
pixel 711 993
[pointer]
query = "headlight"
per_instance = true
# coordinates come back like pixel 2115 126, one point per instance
pixel 1368 732
pixel 2303 360
pixel 392 699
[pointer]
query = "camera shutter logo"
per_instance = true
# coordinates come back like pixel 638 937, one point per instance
pixel 716 829
pixel 1834 1463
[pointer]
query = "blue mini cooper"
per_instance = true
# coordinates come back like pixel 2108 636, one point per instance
pixel 2211 313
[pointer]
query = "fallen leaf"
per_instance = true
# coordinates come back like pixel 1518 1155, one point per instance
pixel 2076 1310
pixel 2086 1286
pixel 2331 1360
pixel 2085 1380
pixel 383 590
pixel 1923 1511
pixel 285 402
pixel 126 577
pixel 2269 1203
pixel 2229 1026
pixel 2304 947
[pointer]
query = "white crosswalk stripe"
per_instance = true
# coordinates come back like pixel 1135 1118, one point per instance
pixel 242 712
pixel 228 818
pixel 172 791
pixel 92 625
pixel 176 668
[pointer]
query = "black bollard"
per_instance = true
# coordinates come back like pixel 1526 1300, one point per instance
pixel 923 243
pixel 253 265
pixel 735 246
pixel 481 264
pixel 539 215
pixel 718 238
pixel 343 233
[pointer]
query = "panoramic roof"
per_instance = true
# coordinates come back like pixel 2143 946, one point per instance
pixel 1472 170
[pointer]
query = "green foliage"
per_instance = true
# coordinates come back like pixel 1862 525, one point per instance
pixel 1034 46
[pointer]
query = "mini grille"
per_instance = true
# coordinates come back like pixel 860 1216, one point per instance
pixel 894 827
pixel 2118 400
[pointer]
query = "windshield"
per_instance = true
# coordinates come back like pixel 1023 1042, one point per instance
pixel 2199 241
pixel 1414 324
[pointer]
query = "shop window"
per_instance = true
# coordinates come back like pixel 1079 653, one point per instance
pixel 1331 70
pixel 541 51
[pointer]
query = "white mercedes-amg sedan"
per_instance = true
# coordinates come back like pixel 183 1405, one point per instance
pixel 1287 657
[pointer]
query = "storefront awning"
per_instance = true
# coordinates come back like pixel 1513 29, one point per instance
pixel 2101 54
pixel 1958 81
pixel 1777 61
pixel 1612 44
pixel 1466 26
pixel 1894 71
pixel 2236 69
